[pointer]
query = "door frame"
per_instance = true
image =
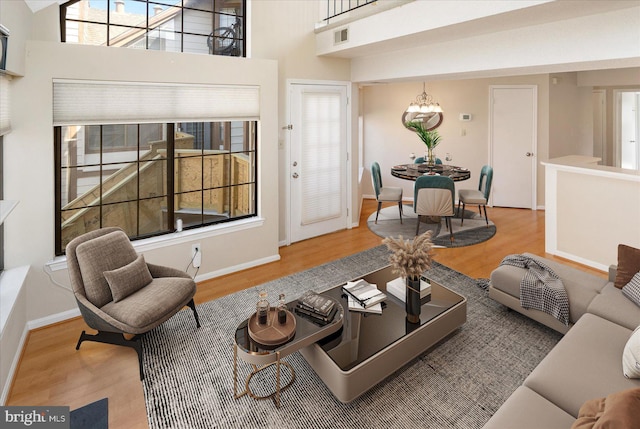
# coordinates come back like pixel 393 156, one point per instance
pixel 602 119
pixel 287 167
pixel 534 143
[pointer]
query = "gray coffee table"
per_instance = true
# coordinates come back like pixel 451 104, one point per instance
pixel 371 347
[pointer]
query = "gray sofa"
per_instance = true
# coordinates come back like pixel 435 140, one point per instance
pixel 587 362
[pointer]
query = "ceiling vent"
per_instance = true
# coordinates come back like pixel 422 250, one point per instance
pixel 341 36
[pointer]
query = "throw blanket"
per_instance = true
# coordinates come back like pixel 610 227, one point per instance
pixel 541 288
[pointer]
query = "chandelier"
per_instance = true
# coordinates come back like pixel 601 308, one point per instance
pixel 424 103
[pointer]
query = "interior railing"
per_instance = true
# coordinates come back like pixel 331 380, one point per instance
pixel 339 7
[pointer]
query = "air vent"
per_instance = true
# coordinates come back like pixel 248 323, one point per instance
pixel 341 36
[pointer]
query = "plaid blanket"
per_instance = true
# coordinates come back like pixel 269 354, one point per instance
pixel 541 288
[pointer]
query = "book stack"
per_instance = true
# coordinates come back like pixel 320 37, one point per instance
pixel 319 309
pixel 398 288
pixel 364 297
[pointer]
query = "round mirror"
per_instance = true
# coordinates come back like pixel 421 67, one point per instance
pixel 430 121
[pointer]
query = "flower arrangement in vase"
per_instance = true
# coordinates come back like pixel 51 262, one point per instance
pixel 410 259
pixel 431 139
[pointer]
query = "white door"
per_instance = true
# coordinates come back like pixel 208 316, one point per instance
pixel 512 140
pixel 629 107
pixel 318 159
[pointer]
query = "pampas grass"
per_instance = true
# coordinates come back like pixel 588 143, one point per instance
pixel 410 258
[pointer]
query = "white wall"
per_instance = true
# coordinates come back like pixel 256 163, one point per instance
pixel 17 18
pixel 283 30
pixel 579 198
pixel 570 117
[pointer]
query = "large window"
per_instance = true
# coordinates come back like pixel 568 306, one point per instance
pixel 144 177
pixel 215 27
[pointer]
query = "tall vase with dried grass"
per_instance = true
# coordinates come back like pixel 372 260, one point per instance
pixel 410 259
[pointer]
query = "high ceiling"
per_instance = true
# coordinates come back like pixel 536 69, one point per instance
pixel 36 5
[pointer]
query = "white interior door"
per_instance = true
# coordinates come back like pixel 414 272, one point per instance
pixel 318 160
pixel 512 140
pixel 629 107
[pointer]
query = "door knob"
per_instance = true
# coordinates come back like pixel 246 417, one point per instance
pixel 529 154
pixel 295 175
pixel 295 163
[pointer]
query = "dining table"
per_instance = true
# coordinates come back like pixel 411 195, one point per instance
pixel 413 171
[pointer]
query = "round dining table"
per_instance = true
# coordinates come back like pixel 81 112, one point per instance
pixel 413 171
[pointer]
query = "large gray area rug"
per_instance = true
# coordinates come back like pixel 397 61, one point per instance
pixel 473 230
pixel 459 383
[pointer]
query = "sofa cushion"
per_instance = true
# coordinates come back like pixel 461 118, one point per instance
pixel 126 280
pixel 526 409
pixel 153 304
pixel 104 253
pixel 631 356
pixel 632 289
pixel 585 364
pixel 612 305
pixel 628 264
pixel 581 287
pixel 620 410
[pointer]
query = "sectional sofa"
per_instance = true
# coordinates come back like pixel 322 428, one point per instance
pixel 585 369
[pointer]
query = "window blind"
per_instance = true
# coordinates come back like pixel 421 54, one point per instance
pixel 321 190
pixel 5 110
pixel 101 102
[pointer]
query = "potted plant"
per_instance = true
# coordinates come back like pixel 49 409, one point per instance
pixel 430 138
pixel 410 259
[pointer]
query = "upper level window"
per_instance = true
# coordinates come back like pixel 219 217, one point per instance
pixel 213 27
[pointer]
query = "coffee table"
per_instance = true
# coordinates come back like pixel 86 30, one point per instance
pixel 261 356
pixel 370 347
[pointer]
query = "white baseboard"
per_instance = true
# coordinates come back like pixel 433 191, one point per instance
pixel 14 366
pixel 236 268
pixel 53 318
pixel 583 261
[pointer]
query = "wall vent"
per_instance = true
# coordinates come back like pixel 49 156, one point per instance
pixel 341 36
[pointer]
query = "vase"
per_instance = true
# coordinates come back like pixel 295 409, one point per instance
pixel 412 300
pixel 431 158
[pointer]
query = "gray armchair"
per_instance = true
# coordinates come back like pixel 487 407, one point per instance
pixel 119 293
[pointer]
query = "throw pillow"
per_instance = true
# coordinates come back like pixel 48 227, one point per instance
pixel 128 279
pixel 619 410
pixel 628 264
pixel 632 289
pixel 631 356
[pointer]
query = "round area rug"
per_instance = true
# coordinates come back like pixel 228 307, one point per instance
pixel 473 231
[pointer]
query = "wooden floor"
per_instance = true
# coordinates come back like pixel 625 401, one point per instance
pixel 52 372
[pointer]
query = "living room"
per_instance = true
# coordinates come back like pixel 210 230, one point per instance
pixel 289 53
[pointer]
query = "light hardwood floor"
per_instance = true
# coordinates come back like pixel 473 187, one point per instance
pixel 52 372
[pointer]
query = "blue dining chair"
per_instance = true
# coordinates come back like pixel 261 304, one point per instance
pixel 434 196
pixel 420 160
pixel 384 194
pixel 479 196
